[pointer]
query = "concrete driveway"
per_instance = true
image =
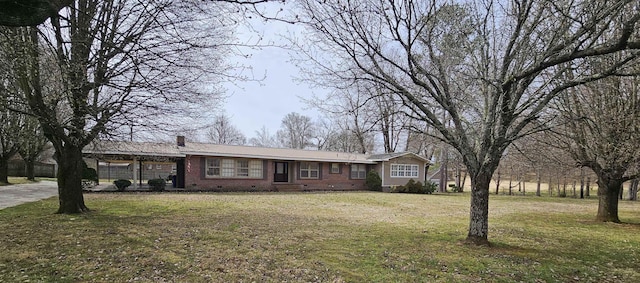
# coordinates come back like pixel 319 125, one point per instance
pixel 13 195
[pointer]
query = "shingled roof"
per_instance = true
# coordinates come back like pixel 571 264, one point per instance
pixel 389 156
pixel 205 149
pixel 133 148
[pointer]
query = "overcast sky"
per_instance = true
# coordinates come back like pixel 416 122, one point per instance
pixel 252 105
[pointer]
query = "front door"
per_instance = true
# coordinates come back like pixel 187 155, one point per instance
pixel 282 172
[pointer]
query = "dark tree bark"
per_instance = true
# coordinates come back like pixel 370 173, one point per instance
pixel 633 189
pixel 4 170
pixel 69 176
pixel 608 191
pixel 7 150
pixel 30 170
pixel 620 195
pixel 582 183
pixel 498 183
pixel 538 183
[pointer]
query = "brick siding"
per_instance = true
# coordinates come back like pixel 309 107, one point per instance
pixel 195 179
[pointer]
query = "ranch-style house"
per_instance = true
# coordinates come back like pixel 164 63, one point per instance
pixel 216 167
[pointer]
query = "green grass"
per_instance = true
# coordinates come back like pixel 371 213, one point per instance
pixel 316 237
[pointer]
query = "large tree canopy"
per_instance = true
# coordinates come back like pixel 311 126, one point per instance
pixel 490 65
pixel 600 129
pixel 101 66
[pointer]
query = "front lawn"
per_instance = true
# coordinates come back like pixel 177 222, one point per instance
pixel 315 237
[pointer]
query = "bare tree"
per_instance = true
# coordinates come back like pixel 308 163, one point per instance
pixel 337 135
pixel 120 64
pixel 26 132
pixel 368 109
pixel 32 144
pixel 601 131
pixel 9 142
pixel 11 122
pixel 353 113
pixel 263 138
pixel 325 133
pixel 223 132
pixel 296 131
pixel 488 64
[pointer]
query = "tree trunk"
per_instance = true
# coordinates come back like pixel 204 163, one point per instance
pixel 497 183
pixel 70 180
pixel 633 190
pixel 582 183
pixel 444 170
pixel 608 191
pixel 464 180
pixel 539 181
pixel 4 170
pixel 458 177
pixel 587 189
pixel 30 169
pixel 621 193
pixel 479 215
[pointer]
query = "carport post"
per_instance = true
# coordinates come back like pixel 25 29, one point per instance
pixel 135 176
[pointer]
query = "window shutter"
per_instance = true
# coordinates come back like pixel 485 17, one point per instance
pixel 320 170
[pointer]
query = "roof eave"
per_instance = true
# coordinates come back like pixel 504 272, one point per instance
pixel 275 157
pixel 133 153
pixel 401 155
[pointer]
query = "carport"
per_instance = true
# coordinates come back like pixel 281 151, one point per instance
pixel 137 155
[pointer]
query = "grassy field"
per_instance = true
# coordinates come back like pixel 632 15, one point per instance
pixel 316 237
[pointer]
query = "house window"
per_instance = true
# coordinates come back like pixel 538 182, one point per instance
pixel 309 170
pixel 255 168
pixel 228 168
pixel 358 171
pixel 335 168
pixel 242 167
pixel 233 168
pixel 404 170
pixel 213 167
pixel 158 166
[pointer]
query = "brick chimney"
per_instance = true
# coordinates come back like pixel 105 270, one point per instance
pixel 180 140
